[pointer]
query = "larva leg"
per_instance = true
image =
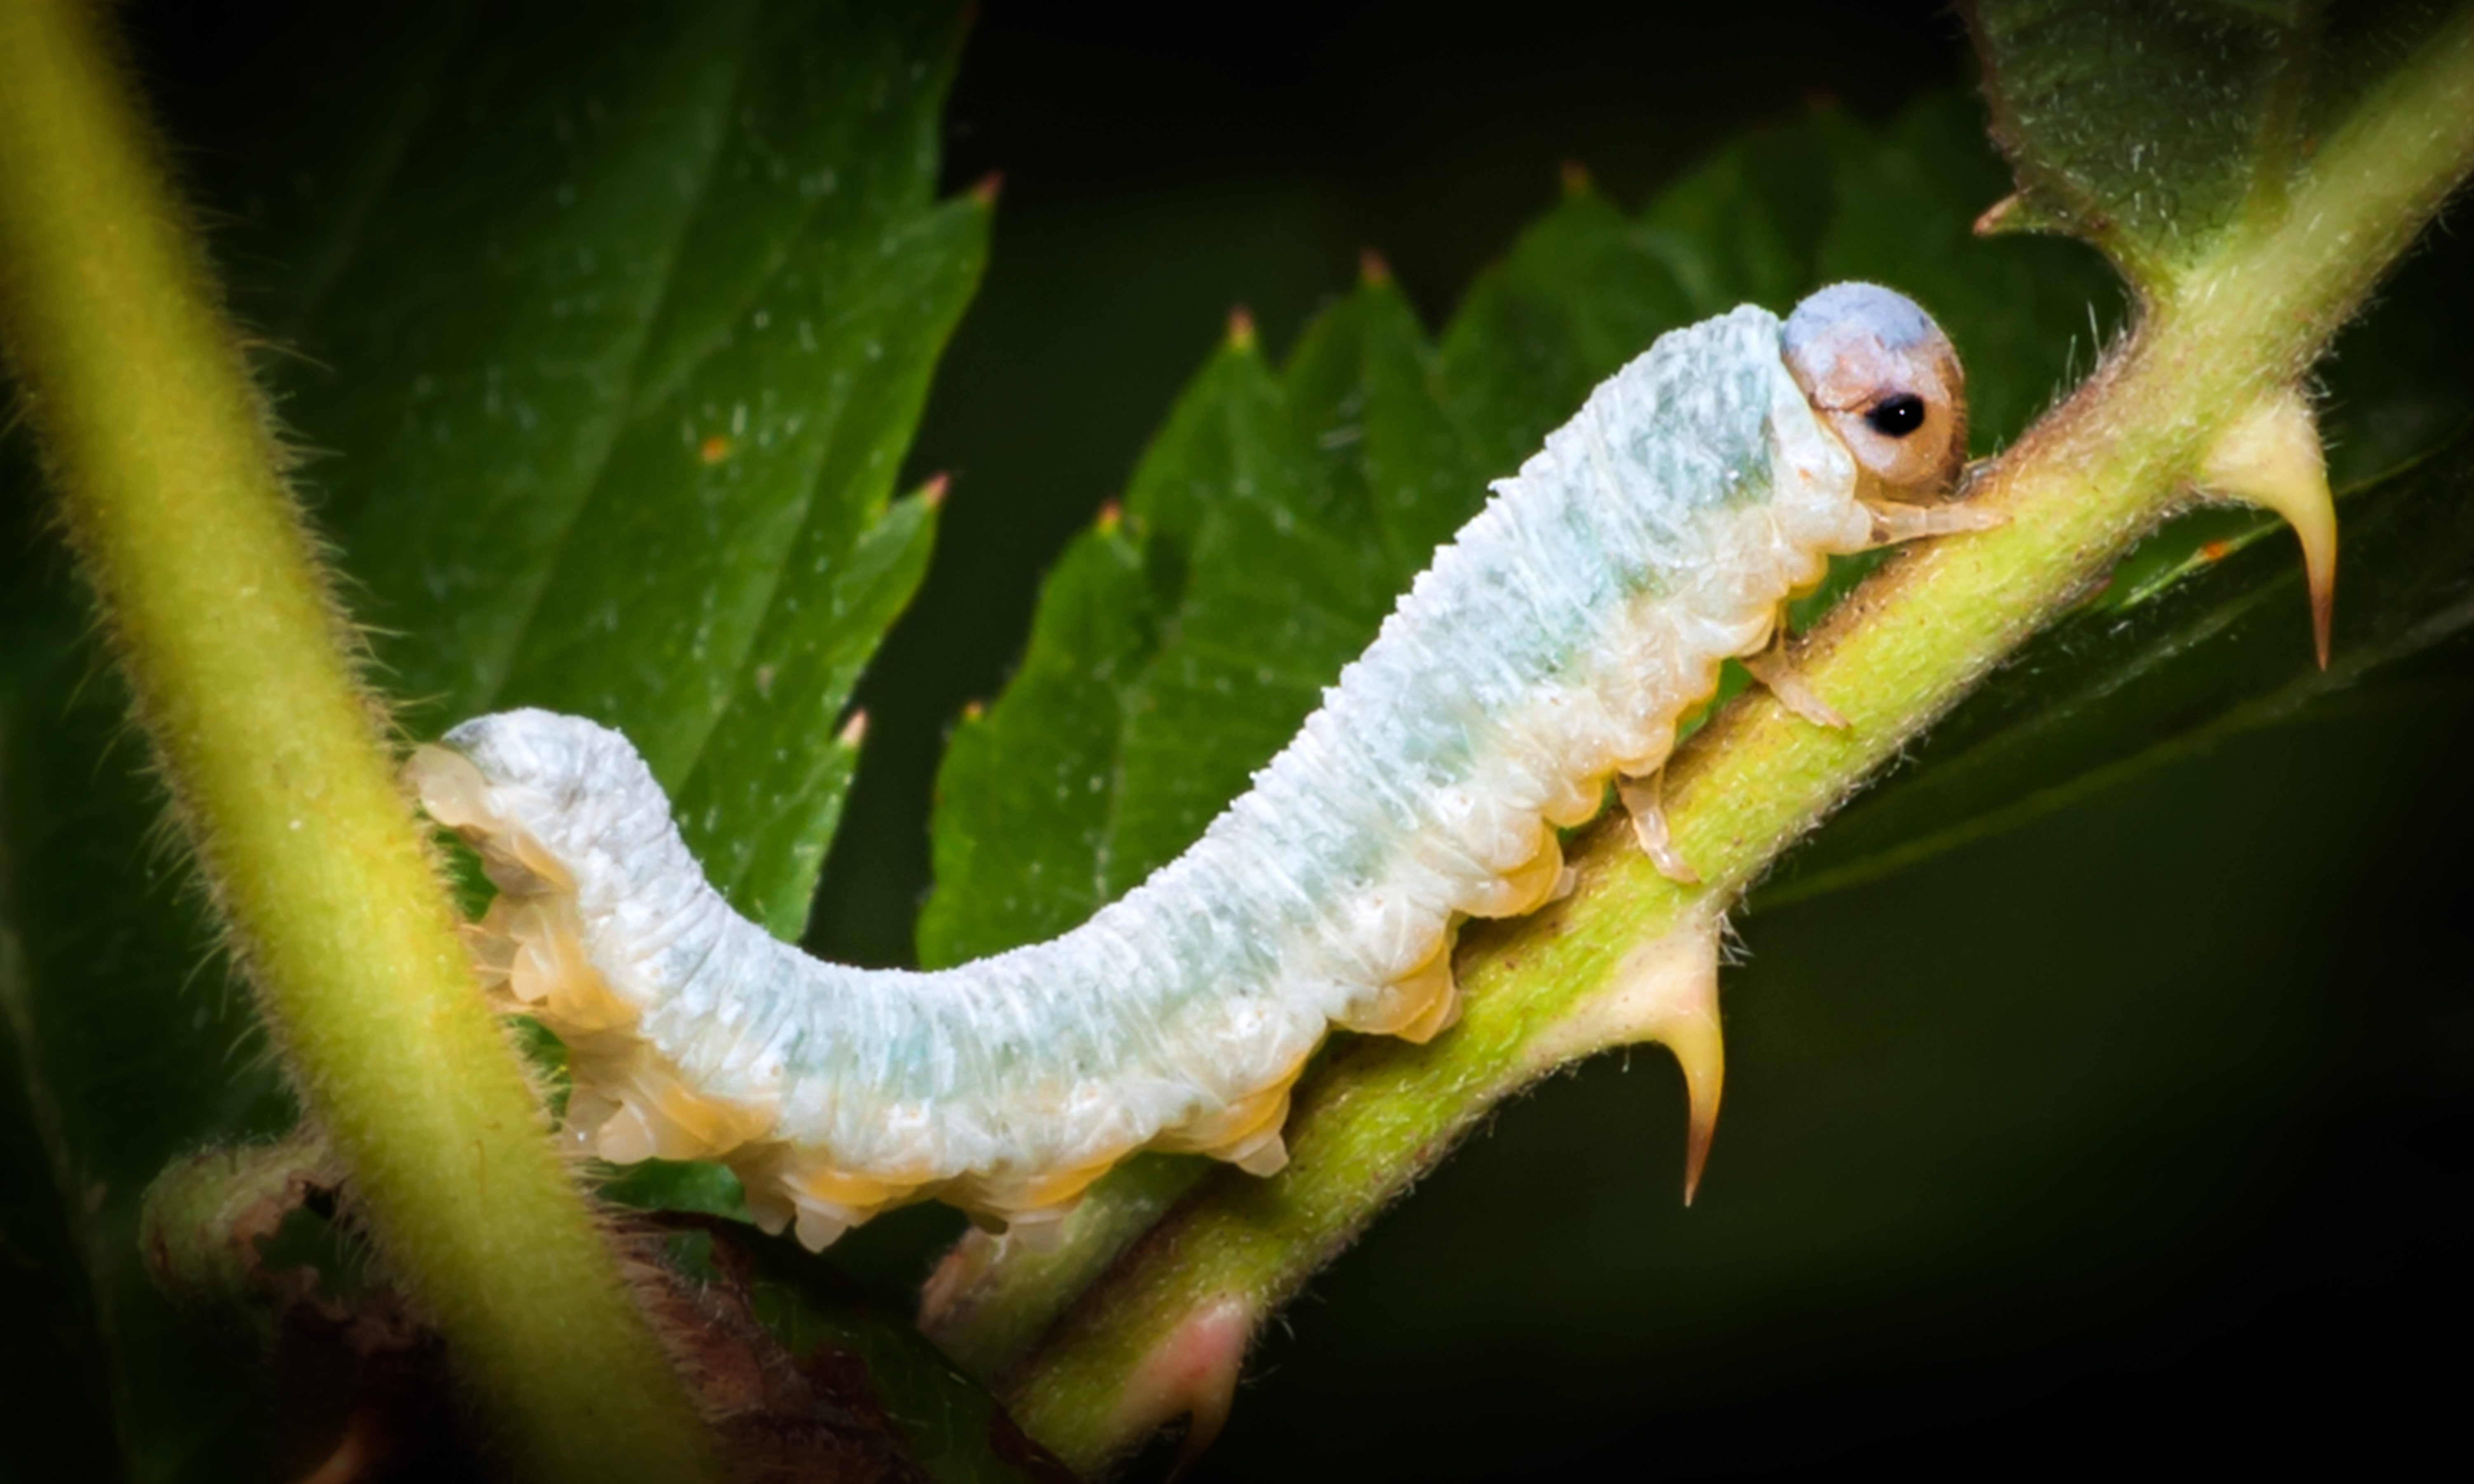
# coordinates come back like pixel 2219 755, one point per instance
pixel 1442 1011
pixel 1642 800
pixel 1418 1006
pixel 1567 881
pixel 1033 1207
pixel 1246 1133
pixel 788 1186
pixel 659 1116
pixel 1772 667
pixel 1530 885
pixel 1894 522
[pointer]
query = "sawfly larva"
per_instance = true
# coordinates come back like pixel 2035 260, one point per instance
pixel 1552 647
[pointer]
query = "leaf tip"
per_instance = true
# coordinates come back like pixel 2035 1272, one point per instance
pixel 2025 211
pixel 989 188
pixel 1372 271
pixel 1576 179
pixel 2002 217
pixel 1113 514
pixel 933 492
pixel 853 731
pixel 1241 328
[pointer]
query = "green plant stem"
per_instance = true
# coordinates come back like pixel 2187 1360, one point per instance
pixel 215 604
pixel 2247 316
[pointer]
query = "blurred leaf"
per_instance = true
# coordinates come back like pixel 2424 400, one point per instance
pixel 626 314
pixel 875 1364
pixel 694 1186
pixel 133 1043
pixel 2147 128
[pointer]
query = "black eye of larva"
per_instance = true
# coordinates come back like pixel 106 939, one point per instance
pixel 1897 416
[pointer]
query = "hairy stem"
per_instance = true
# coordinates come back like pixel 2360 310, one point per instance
pixel 2247 317
pixel 171 491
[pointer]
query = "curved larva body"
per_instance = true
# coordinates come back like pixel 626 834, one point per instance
pixel 1553 644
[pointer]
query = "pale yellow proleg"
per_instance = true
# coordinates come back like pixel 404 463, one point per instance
pixel 1034 1208
pixel 1247 1133
pixel 1410 1003
pixel 1442 1011
pixel 1531 884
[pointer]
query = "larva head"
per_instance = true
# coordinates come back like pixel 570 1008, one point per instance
pixel 1884 376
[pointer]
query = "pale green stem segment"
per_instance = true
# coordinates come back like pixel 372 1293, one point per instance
pixel 2240 322
pixel 171 489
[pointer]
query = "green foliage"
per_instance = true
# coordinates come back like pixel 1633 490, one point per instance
pixel 1272 522
pixel 616 356
pixel 1149 693
pixel 2125 686
pixel 2177 663
pixel 619 352
pixel 950 1430
pixel 2148 130
pixel 623 409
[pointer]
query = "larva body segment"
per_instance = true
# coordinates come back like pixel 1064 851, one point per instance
pixel 1553 644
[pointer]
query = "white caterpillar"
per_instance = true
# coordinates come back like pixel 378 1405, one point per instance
pixel 1553 646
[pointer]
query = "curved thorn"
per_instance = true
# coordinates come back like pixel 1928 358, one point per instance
pixel 2270 457
pixel 1665 991
pixel 1191 1373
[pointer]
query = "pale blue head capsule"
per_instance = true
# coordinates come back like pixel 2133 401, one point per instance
pixel 1885 379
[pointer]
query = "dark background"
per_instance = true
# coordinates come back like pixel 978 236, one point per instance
pixel 1158 175
pixel 2137 1131
pixel 2234 1233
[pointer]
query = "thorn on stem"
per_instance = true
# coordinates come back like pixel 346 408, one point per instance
pixel 2269 456
pixel 1191 1373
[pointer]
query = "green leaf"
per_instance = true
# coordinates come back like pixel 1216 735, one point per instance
pixel 2149 130
pixel 1584 289
pixel 1178 652
pixel 616 327
pixel 2216 646
pixel 1040 769
pixel 626 408
pixel 1278 517
pixel 2130 684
